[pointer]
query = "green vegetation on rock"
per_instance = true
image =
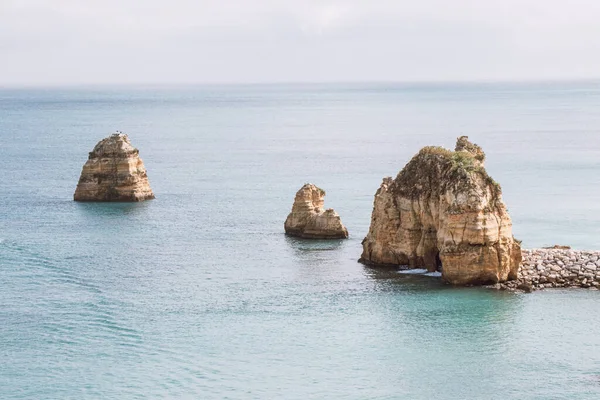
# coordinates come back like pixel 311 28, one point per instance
pixel 435 169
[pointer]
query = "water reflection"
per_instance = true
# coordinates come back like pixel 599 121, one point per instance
pixel 301 246
pixel 112 208
pixel 390 279
pixel 111 221
pixel 317 260
pixel 434 304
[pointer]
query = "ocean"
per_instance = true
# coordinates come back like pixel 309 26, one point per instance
pixel 200 295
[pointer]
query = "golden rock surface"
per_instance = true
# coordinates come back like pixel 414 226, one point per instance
pixel 444 212
pixel 114 172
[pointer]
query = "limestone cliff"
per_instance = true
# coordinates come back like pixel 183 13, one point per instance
pixel 444 212
pixel 309 220
pixel 113 172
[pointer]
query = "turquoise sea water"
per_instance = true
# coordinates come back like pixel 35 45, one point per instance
pixel 199 295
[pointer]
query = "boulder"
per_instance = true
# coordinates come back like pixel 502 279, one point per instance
pixel 114 172
pixel 444 212
pixel 309 220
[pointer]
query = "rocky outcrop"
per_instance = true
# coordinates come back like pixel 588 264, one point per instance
pixel 556 267
pixel 309 220
pixel 444 212
pixel 113 172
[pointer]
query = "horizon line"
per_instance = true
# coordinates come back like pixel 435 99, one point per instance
pixel 19 86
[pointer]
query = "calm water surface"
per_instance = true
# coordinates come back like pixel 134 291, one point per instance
pixel 199 295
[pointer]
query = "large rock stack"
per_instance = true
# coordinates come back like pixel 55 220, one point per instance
pixel 309 220
pixel 444 212
pixel 114 172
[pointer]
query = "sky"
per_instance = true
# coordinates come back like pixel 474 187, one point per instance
pixel 81 42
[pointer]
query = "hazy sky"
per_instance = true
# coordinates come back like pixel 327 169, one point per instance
pixel 52 42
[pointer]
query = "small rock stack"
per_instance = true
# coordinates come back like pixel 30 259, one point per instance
pixel 114 171
pixel 309 220
pixel 556 268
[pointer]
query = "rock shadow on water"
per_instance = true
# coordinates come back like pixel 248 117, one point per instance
pixel 394 278
pixel 404 279
pixel 303 246
pixel 112 209
pixel 316 260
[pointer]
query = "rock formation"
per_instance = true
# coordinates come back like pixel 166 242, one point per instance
pixel 114 172
pixel 444 212
pixel 309 220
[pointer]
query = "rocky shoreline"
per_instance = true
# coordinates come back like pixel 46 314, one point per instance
pixel 555 268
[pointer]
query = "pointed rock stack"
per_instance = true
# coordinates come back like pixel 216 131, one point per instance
pixel 444 212
pixel 114 172
pixel 309 220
